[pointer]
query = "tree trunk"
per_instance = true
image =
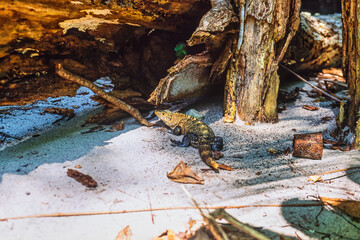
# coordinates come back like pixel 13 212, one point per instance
pixel 268 27
pixel 351 61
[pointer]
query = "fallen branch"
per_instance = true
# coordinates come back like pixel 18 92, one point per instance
pixel 117 102
pixel 310 204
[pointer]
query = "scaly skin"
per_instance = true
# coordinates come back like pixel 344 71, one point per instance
pixel 196 133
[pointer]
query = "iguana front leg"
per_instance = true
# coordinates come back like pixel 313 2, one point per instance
pixel 186 141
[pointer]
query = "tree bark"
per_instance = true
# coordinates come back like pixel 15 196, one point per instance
pixel 351 61
pixel 269 27
pixel 316 45
pixel 131 42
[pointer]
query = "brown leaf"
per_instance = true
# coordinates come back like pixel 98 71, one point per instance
pixel 226 167
pixel 314 178
pixel 124 234
pixel 168 235
pixel 350 207
pixel 183 174
pixel 84 179
pixel 116 127
pixel 310 108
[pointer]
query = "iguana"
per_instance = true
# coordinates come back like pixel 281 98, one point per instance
pixel 196 133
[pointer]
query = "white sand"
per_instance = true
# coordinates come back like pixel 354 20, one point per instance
pixel 131 165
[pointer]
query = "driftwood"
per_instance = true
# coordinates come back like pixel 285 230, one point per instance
pixel 317 44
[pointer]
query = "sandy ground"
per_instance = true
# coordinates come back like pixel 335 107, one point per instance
pixel 131 165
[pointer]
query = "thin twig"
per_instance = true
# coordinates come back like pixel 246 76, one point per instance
pixel 311 204
pixel 312 85
pixel 152 215
pixel 101 93
pixel 339 170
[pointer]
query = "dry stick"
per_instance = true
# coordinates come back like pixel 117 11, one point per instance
pixel 311 204
pixel 152 215
pixel 214 227
pixel 222 214
pixel 101 93
pixel 312 85
pixel 339 170
pixel 332 81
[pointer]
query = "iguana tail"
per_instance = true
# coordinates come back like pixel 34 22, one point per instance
pixel 207 156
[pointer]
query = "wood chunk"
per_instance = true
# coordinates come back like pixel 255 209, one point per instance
pixel 308 145
pixel 310 108
pixel 84 179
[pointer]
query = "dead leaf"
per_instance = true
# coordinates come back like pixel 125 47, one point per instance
pixel 226 167
pixel 124 234
pixel 314 178
pixel 183 174
pixel 116 127
pixel 310 108
pixel 168 235
pixel 350 207
pixel 78 166
pixel 84 179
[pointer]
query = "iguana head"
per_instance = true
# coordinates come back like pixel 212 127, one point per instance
pixel 170 119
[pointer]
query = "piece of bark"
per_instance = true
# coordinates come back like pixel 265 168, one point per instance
pixel 66 112
pixel 308 145
pixel 317 44
pixel 310 108
pixel 84 179
pixel 183 174
pixel 189 78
